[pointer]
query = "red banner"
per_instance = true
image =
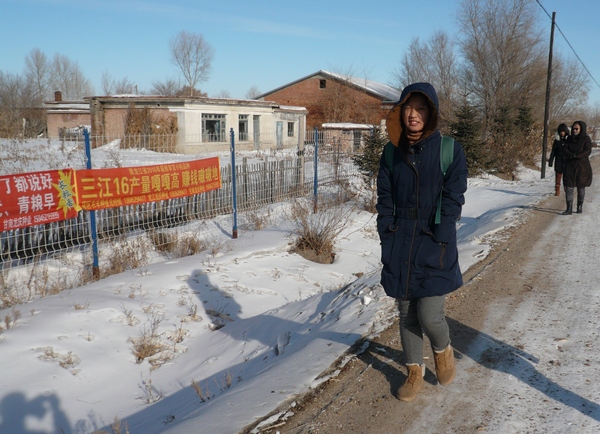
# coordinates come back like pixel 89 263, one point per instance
pixel 35 198
pixel 110 188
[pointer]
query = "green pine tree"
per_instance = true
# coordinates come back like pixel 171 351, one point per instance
pixel 368 162
pixel 466 129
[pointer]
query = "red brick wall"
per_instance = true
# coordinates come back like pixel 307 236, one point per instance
pixel 337 102
pixel 65 120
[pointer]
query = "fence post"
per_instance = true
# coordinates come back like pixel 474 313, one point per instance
pixel 93 228
pixel 234 233
pixel 316 171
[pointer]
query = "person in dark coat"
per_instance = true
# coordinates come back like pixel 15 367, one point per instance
pixel 556 156
pixel 577 172
pixel 420 257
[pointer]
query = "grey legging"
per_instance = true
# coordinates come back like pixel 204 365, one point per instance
pixel 570 192
pixel 418 316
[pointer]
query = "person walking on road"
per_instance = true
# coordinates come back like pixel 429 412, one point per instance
pixel 420 255
pixel 556 156
pixel 577 172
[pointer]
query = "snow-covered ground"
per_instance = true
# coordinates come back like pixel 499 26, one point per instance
pixel 242 329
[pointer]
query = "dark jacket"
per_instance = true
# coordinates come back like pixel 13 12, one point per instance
pixel 420 258
pixel 557 148
pixel 577 170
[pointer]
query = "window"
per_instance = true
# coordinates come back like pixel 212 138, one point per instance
pixel 357 136
pixel 213 128
pixel 322 83
pixel 290 129
pixel 243 128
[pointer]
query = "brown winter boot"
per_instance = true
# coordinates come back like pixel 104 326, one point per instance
pixel 557 186
pixel 408 391
pixel 444 365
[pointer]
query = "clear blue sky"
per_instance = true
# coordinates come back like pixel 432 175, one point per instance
pixel 261 43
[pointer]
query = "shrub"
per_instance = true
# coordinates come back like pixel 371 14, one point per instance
pixel 317 231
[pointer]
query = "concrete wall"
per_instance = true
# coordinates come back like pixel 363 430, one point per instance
pixel 109 114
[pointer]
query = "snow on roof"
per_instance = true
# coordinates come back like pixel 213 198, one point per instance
pixel 292 108
pixel 384 91
pixel 347 126
pixel 388 92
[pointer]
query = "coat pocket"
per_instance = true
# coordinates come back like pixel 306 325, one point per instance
pixel 388 239
pixel 434 255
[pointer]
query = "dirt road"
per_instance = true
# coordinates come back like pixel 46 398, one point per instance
pixel 526 360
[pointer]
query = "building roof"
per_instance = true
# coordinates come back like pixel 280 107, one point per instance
pixel 67 107
pixel 383 91
pixel 182 101
pixel 346 126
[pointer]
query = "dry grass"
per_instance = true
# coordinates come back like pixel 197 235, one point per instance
pixel 178 246
pixel 149 343
pixel 204 395
pixel 10 320
pixel 79 306
pixel 150 393
pixel 257 220
pixel 127 255
pixel 317 231
pixel 66 361
pixel 192 309
pixel 117 427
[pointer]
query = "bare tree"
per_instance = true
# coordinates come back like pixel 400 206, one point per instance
pixel 433 62
pixel 112 86
pixel 69 79
pixel 37 72
pixel 193 56
pixel 503 49
pixel 16 97
pixel 222 94
pixel 253 92
pixel 169 87
pixel 569 90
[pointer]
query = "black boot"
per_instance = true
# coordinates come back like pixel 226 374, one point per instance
pixel 569 209
pixel 579 207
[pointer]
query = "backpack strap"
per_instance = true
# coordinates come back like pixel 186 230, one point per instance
pixel 446 157
pixel 388 152
pixel 389 155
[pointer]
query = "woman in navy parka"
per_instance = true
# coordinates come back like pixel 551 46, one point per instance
pixel 420 257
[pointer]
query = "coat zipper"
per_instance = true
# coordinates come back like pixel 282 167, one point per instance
pixel 412 242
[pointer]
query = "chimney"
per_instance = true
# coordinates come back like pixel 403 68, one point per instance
pixel 58 96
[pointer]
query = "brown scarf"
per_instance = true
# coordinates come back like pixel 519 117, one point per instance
pixel 413 137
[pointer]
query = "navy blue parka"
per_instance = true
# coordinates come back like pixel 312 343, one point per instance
pixel 419 257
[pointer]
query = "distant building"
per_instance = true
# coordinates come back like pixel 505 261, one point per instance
pixel 193 124
pixel 66 118
pixel 331 97
pixel 345 136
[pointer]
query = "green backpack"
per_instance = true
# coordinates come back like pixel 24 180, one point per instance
pixel 446 158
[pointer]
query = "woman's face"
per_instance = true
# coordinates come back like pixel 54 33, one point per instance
pixel 415 113
pixel 563 133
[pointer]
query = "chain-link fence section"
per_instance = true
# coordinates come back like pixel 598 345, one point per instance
pixel 55 256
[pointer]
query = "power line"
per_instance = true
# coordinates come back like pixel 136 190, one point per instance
pixel 569 44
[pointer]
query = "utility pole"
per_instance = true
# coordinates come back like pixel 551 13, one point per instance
pixel 547 108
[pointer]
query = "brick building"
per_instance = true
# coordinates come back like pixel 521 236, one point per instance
pixel 331 97
pixel 66 117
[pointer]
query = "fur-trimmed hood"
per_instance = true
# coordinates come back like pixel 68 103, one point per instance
pixel 394 125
